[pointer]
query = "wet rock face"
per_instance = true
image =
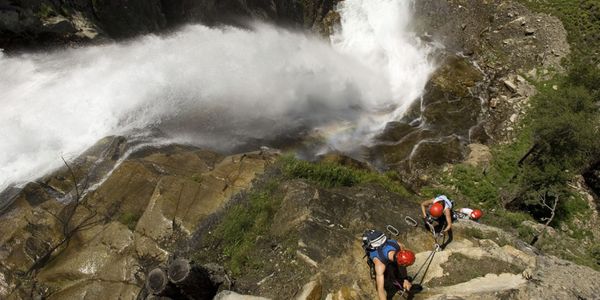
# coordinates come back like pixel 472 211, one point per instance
pixel 476 94
pixel 437 128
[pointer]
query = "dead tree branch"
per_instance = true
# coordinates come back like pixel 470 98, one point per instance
pixel 67 220
pixel 549 202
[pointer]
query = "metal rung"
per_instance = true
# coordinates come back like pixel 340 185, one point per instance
pixel 410 221
pixel 393 230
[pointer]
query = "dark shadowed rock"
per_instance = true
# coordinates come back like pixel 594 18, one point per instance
pixel 40 23
pixel 592 180
pixel 125 18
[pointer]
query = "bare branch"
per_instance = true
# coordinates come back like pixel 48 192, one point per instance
pixel 69 229
pixel 545 202
pixel 61 221
pixel 73 177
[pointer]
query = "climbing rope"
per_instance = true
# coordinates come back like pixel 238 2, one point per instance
pixel 427 262
pixel 429 258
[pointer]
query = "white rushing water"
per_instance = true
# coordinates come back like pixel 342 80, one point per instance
pixel 217 87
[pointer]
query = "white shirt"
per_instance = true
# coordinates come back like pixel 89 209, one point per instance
pixel 447 202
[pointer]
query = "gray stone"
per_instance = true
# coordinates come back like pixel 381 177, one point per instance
pixel 60 26
pixel 493 103
pixel 529 31
pixel 510 85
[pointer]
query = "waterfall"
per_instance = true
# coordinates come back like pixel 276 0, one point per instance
pixel 213 87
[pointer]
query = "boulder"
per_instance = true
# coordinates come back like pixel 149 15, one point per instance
pixel 511 86
pixel 59 25
pixel 311 291
pixel 479 155
pixel 102 253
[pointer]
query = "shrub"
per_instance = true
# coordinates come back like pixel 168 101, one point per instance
pixel 130 219
pixel 244 223
pixel 328 175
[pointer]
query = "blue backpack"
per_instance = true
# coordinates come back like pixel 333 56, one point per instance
pixel 380 252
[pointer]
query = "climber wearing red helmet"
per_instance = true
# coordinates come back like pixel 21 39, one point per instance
pixel 438 207
pixel 388 259
pixel 472 214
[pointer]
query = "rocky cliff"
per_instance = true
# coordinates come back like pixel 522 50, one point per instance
pixel 285 236
pixel 283 229
pixel 31 24
pixel 64 245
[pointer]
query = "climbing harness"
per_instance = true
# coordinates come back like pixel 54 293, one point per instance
pixel 436 237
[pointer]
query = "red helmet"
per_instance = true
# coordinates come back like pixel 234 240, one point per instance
pixel 476 214
pixel 436 210
pixel 405 258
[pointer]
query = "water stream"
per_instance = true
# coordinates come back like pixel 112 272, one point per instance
pixel 212 87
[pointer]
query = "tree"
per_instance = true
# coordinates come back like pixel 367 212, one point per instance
pixel 566 129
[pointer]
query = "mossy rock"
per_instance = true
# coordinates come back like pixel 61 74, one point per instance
pixel 448 105
pixel 455 77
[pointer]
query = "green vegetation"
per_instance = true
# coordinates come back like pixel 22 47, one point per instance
pixel 244 223
pixel 580 19
pixel 556 140
pixel 197 178
pixel 130 219
pixel 332 175
pixel 46 11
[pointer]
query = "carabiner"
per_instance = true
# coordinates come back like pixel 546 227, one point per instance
pixel 393 230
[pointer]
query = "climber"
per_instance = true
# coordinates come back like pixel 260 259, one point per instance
pixel 469 213
pixel 388 259
pixel 438 219
pixel 438 206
